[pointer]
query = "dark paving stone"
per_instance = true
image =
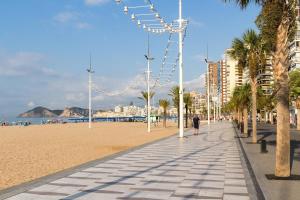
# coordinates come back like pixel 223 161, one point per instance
pixel 47 193
pixel 101 191
pixel 66 185
pixel 152 189
pixel 84 178
pixel 114 183
pixel 192 196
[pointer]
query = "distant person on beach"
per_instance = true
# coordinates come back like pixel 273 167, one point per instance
pixel 196 123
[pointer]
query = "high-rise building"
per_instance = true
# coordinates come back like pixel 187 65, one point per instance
pixel 234 74
pixel 223 83
pixel 213 68
pixel 265 77
pixel 199 102
pixel 294 47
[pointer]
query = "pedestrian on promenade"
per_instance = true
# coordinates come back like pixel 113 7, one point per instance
pixel 196 123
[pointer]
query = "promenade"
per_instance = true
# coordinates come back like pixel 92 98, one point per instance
pixel 207 166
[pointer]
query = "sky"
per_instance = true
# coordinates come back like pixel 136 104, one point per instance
pixel 45 48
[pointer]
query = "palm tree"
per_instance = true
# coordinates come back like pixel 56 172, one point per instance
pixel 240 101
pixel 249 53
pixel 187 99
pixel 164 103
pixel 295 92
pixel 236 101
pixel 277 22
pixel 244 96
pixel 144 96
pixel 174 93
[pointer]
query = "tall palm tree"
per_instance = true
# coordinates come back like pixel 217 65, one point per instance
pixel 295 92
pixel 277 22
pixel 249 52
pixel 187 99
pixel 164 103
pixel 144 96
pixel 174 93
pixel 236 101
pixel 244 96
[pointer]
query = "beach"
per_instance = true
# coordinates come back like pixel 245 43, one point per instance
pixel 31 152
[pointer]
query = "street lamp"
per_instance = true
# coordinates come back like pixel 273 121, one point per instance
pixel 149 59
pixel 178 26
pixel 90 71
pixel 208 92
pixel 180 52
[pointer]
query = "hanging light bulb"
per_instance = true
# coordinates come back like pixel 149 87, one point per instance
pixel 157 16
pixel 139 23
pixel 126 9
pixel 152 7
pixel 133 17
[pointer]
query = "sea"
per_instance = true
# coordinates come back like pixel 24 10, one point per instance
pixel 31 120
pixel 36 121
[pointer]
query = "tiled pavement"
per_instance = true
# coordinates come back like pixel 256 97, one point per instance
pixel 207 166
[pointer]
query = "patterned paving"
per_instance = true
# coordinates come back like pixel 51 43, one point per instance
pixel 207 166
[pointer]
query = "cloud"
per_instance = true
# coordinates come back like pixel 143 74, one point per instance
pixel 199 57
pixel 31 104
pixel 96 2
pixel 72 18
pixel 66 16
pixel 24 64
pixel 195 23
pixel 83 25
pixel 197 84
pixel 75 97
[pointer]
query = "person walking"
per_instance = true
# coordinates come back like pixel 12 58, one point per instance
pixel 196 123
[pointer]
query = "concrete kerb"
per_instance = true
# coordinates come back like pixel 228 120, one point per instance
pixel 14 190
pixel 251 177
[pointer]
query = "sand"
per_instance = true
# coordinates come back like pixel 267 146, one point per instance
pixel 27 153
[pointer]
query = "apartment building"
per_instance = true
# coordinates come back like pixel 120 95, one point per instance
pixel 265 77
pixel 223 83
pixel 294 47
pixel 234 74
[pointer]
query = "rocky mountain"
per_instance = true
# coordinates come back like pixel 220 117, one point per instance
pixel 38 112
pixel 42 112
pixel 75 112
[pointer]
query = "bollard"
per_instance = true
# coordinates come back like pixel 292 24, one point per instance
pixel 263 146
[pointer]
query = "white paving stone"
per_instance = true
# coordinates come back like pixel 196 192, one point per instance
pixel 207 166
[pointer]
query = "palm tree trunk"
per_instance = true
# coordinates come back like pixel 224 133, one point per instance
pixel 238 118
pixel 282 166
pixel 165 119
pixel 186 116
pixel 298 119
pixel 271 117
pixel 298 112
pixel 246 121
pixel 178 114
pixel 254 110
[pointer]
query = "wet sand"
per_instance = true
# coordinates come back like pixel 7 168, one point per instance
pixel 27 153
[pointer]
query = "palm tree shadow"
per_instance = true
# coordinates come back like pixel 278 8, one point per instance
pixel 293 154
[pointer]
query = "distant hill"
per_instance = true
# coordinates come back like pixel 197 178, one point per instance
pixel 57 112
pixel 74 112
pixel 38 112
pixel 42 112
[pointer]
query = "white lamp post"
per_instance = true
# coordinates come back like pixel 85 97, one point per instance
pixel 208 93
pixel 180 20
pixel 149 59
pixel 90 71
